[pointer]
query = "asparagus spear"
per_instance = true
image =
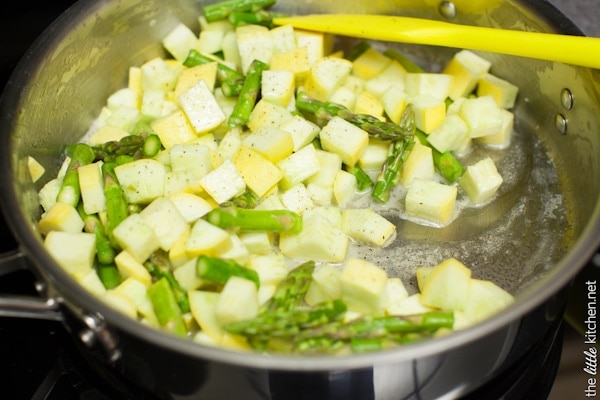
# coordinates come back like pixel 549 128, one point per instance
pixel 243 219
pixel 245 200
pixel 248 94
pixel 357 50
pixel 390 173
pixel 70 192
pixel 116 203
pixel 127 145
pixel 221 10
pixel 290 292
pixel 166 308
pixel 105 252
pixel 160 268
pixel 230 80
pixel 447 165
pixel 362 178
pixel 408 65
pixel 151 145
pixel 218 270
pixel 376 128
pixel 109 275
pixel 260 17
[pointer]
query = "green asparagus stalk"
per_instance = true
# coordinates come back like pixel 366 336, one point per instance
pixel 248 94
pixel 260 17
pixel 221 10
pixel 165 306
pixel 358 50
pixel 127 145
pixel 160 268
pixel 376 128
pixel 151 145
pixel 408 65
pixel 109 275
pixel 290 292
pixel 390 173
pixel 245 220
pixel 362 178
pixel 446 163
pixel 230 80
pixel 116 203
pixel 105 252
pixel 218 270
pixel 245 200
pixel 70 192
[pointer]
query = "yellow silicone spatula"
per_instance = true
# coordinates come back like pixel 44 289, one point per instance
pixel 577 50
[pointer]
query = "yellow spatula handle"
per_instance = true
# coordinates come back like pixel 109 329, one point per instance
pixel 577 50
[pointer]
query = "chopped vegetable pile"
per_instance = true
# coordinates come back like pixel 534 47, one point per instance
pixel 215 196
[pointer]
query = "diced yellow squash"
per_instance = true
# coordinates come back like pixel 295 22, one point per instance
pixel 344 187
pixel 153 103
pixel 344 139
pixel 369 64
pixel 130 267
pixel 61 217
pixel 236 250
pixel 450 135
pixel 329 165
pixel 195 158
pixel 319 240
pixel 47 194
pixel 91 184
pixel 166 221
pixel 326 75
pixel 447 287
pixel 503 91
pixel 375 155
pixel 179 41
pixel 91 282
pixel 201 108
pixel 482 116
pixel 297 199
pixel 137 292
pixel 266 114
pixel 202 307
pixel 210 41
pixel 181 181
pixel 136 237
pixel 173 128
pixel 344 96
pixel 325 285
pixel 190 206
pixel 298 166
pixel 431 200
pixel 365 225
pixel 254 43
pixel 363 285
pixel 278 87
pixel 107 133
pixel 466 67
pixel 432 84
pixel 231 53
pixel 120 302
pixel 36 170
pixel 295 61
pixel 368 103
pixel 271 202
pixel 124 97
pixel 186 275
pixel 320 195
pixel 259 174
pixel 317 44
pixel 394 102
pixel 134 81
pixel 272 143
pixel 283 39
pixel 178 254
pixel 257 243
pixel 392 75
pixel 271 268
pixel 191 76
pixel 206 239
pixel 224 182
pixel 394 294
pixel 332 214
pixel 411 305
pixel 423 274
pixel 230 144
pixel 302 131
pixel 74 252
pixel 124 118
pixel 418 164
pixel 237 301
pixel 481 180
pixel 142 180
pixel 429 111
pixel 503 137
pixel 158 74
pixel 484 299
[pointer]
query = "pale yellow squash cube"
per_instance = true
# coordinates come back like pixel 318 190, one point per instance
pixel 158 74
pixel 61 217
pixel 36 170
pixel 481 180
pixel 271 268
pixel 325 285
pixel 190 206
pixel 173 129
pixel 393 75
pixel 272 143
pixel 368 103
pixel 142 180
pixel 179 41
pixel 431 200
pixel 224 182
pixel 317 44
pixel 278 87
pixel 344 139
pixel 466 67
pixel 237 301
pixel 297 199
pixel 344 187
pixel 201 108
pixel 254 42
pixel 326 75
pixel 418 164
pixel 283 39
pixel 91 184
pixel 365 225
pixel 503 91
pixel 375 155
pixel 178 254
pixel 429 111
pixel 394 101
pixel 295 61
pixel 451 135
pixel 503 138
pixel 195 158
pixel 447 287
pixel 266 114
pixel 206 239
pixel 136 237
pixel 257 243
pixel 329 165
pixel 230 144
pixel 484 299
pixel 344 96
pixel 299 166
pixel 153 103
pixel 394 294
pixel 363 285
pixel 259 174
pixel 191 76
pixel 165 220
pixel 482 116
pixel 432 84
pixel 202 307
pixel 302 131
pixel 369 64
pixel 129 266
pixel 107 133
pixel 73 251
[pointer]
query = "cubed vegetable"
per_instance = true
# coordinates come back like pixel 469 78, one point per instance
pixel 142 180
pixel 237 301
pixel 299 166
pixel 447 287
pixel 73 251
pixel 130 267
pixel 366 225
pixel 326 75
pixel 201 108
pixel 418 164
pixel 165 220
pixel 363 285
pixel 466 67
pixel 431 200
pixel 504 92
pixel 272 143
pixel 344 139
pixel 206 238
pixel 481 180
pixel 137 237
pixel 223 182
pixel 259 174
pixel 61 217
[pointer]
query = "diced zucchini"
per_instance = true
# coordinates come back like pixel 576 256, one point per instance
pixel 237 301
pixel 179 41
pixel 411 305
pixel 451 135
pixel 257 243
pixel 466 67
pixel 283 38
pixel 178 254
pixel 278 87
pixel 36 170
pixel 271 268
pixel 503 138
pixel 120 302
pixel 319 240
pixel 344 139
pixel 230 144
pixel 91 282
pixel 302 131
pixel 295 61
pixel 60 217
pixel 272 143
pixel 482 116
pixel 299 166
pixel 392 75
pixel 432 84
pixel 431 200
pixel 165 220
pixel 326 75
pixel 368 103
pixel 429 111
pixel 137 292
pixel 363 285
pixel 142 180
pixel 504 92
pixel 394 102
pixel 224 182
pixel 122 98
pixel 206 239
pixel 195 158
pixel 191 76
pixel 47 194
pixel 418 164
pixel 201 108
pixel 254 43
pixel 107 133
pixel 344 187
pixel 134 235
pixel 210 41
pixel 259 174
pixel 130 267
pixel 317 44
pixel 297 199
pixel 366 225
pixel 202 307
pixel 152 103
pixel 158 74
pixel 267 115
pixel 423 273
pixel 481 180
pixel 74 252
pixel 447 287
pixel 173 128
pixel 325 285
pixel 393 296
pixel 186 276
